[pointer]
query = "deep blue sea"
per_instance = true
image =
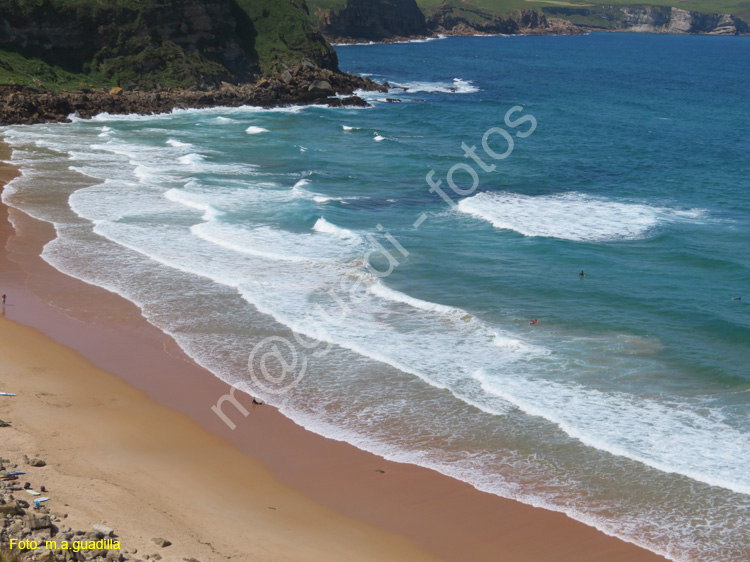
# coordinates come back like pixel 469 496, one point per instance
pixel 302 254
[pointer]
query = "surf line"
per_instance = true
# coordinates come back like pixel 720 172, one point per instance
pixel 289 356
pixel 471 152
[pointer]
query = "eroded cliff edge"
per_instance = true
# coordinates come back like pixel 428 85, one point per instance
pixel 650 19
pixel 392 20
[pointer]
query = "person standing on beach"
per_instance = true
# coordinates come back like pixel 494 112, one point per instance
pixel 4 296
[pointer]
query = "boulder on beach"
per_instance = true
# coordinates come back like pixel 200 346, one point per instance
pixel 161 543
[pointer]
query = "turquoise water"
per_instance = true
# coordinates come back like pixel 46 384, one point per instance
pixel 625 406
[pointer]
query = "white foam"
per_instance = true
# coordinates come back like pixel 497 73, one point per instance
pixel 571 216
pixel 459 86
pixel 193 159
pixel 378 138
pixel 354 44
pixel 179 196
pixel 299 191
pixel 179 144
pixel 404 42
pixel 323 226
pixel 275 244
pixel 169 115
pixel 253 130
pixel 348 128
pixel 671 438
pixel 516 345
pixel 383 291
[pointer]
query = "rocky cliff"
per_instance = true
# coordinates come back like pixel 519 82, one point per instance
pixel 453 17
pixel 154 43
pixel 59 57
pixel 373 20
pixel 650 19
pixel 388 20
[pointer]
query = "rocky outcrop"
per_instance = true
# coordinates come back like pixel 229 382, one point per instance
pixel 373 20
pixel 303 84
pixel 684 21
pixel 651 19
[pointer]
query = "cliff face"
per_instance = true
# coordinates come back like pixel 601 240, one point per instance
pixel 459 18
pixel 651 19
pixel 374 20
pixel 378 20
pixel 151 43
pixel 468 20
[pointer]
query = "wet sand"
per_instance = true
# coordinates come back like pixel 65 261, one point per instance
pixel 140 418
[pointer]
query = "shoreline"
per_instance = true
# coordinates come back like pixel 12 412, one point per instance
pixel 305 84
pixel 442 516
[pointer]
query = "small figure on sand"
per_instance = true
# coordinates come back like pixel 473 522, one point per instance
pixel 4 297
pixel 533 322
pixel 582 274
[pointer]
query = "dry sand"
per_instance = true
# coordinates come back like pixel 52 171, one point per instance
pixel 116 456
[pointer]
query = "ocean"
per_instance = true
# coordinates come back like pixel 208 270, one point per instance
pixel 365 273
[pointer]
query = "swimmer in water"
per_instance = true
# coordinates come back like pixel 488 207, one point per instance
pixel 733 298
pixel 582 274
pixel 533 322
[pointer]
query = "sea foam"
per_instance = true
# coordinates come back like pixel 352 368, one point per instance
pixel 572 216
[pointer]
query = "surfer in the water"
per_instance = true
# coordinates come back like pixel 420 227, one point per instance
pixel 533 322
pixel 733 298
pixel 582 274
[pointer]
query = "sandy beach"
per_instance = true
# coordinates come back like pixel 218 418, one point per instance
pixel 123 419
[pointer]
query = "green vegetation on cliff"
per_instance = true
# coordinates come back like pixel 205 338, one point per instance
pixel 498 16
pixel 739 8
pixel 149 44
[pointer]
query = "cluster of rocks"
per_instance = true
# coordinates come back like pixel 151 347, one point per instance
pixel 304 84
pixel 24 522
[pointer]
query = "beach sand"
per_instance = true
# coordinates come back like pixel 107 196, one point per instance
pixel 123 419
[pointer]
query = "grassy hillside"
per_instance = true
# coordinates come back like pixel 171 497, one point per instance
pixel 74 44
pixel 283 32
pixel 740 8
